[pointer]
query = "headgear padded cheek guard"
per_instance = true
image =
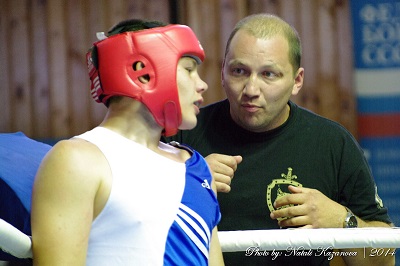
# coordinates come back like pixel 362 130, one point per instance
pixel 111 71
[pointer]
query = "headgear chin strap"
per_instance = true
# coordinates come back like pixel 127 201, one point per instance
pixel 110 64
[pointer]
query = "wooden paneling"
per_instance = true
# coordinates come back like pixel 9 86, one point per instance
pixel 5 111
pixel 39 72
pixel 19 69
pixel 43 78
pixel 44 82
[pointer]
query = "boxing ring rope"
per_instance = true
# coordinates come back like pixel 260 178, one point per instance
pixel 18 244
pixel 14 241
pixel 337 238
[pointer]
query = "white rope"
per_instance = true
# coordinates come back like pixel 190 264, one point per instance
pixel 14 241
pixel 284 239
pixel 19 245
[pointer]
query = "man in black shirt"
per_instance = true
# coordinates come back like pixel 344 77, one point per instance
pixel 292 167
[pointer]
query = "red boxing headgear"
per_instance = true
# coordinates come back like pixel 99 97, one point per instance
pixel 159 49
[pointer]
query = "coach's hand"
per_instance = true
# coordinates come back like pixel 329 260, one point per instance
pixel 223 168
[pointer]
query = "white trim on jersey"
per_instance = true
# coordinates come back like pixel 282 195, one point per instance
pixel 203 231
pixel 199 219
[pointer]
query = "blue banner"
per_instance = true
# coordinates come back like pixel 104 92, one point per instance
pixel 376 39
pixel 376 29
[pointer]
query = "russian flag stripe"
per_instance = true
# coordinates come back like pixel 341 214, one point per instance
pixel 379 104
pixel 379 125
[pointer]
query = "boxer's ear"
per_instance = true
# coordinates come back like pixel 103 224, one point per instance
pixel 138 66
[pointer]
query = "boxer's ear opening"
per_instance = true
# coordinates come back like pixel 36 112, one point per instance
pixel 139 65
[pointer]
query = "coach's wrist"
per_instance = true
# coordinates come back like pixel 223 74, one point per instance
pixel 350 220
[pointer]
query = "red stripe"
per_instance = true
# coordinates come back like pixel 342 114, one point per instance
pixel 379 125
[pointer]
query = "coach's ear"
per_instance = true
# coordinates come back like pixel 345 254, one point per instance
pixel 298 81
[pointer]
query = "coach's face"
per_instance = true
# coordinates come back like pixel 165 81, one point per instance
pixel 258 80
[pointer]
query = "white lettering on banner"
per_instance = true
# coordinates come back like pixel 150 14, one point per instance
pixel 381 34
pixel 383 54
pixel 380 13
pixel 385 32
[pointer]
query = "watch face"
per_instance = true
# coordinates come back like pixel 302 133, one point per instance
pixel 352 222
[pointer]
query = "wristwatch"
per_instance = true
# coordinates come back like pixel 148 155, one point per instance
pixel 350 221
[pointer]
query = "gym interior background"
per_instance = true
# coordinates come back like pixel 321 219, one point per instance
pixel 351 56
